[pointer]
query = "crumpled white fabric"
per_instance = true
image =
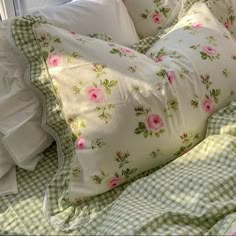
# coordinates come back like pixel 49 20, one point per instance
pixel 22 139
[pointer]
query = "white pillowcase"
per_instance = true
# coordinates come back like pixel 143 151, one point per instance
pixel 225 12
pixel 22 138
pixel 150 16
pixel 93 16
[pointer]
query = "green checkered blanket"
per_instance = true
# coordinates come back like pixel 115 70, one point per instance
pixel 193 195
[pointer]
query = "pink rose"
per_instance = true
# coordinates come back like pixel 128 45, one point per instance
pixel 80 143
pixel 154 122
pixel 126 51
pixel 196 25
pixel 227 24
pixel 53 60
pixel 157 18
pixel 209 50
pixel 95 94
pixel 170 76
pixel 207 105
pixel 158 59
pixel 114 182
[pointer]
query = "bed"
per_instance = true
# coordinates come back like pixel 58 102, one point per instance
pixel 202 201
pixel 184 188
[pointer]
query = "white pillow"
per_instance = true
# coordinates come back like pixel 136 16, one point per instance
pixel 225 12
pixel 20 117
pixel 92 16
pixel 150 16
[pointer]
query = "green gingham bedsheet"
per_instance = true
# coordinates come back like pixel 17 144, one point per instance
pixel 193 195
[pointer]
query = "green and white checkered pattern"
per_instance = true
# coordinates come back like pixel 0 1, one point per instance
pixel 101 36
pixel 54 120
pixel 143 45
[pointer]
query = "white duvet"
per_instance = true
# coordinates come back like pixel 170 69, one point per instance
pixel 20 117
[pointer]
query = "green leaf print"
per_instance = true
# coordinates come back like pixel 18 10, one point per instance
pixel 57 40
pixel 187 139
pixel 194 103
pixel 180 151
pixel 122 158
pixel 154 154
pixel 104 112
pixel 158 134
pixel 98 179
pixel 183 73
pixel 72 57
pixel 76 172
pixel 132 69
pixel 45 54
pixel 206 81
pixel 204 56
pixel 225 73
pixel 172 106
pixel 145 14
pixel 194 47
pixel 97 143
pixel 108 84
pixel 165 11
pixel 157 2
pixel 99 69
pixel 141 128
pixel 161 73
pixel 128 172
pixel 141 111
pixel 76 89
pixel 215 93
pixel 115 51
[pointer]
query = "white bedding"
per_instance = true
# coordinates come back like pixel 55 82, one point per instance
pixel 20 118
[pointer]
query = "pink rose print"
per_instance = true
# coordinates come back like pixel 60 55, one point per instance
pixel 95 94
pixel 233 234
pixel 154 123
pixel 170 76
pixel 80 143
pixel 157 18
pixel 53 60
pixel 197 25
pixel 126 51
pixel 209 50
pixel 158 59
pixel 114 182
pixel 207 105
pixel 227 24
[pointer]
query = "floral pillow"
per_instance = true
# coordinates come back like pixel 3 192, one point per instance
pixel 116 113
pixel 200 39
pixel 225 12
pixel 151 16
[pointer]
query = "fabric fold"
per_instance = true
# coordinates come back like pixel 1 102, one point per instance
pixel 25 144
pixel 8 183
